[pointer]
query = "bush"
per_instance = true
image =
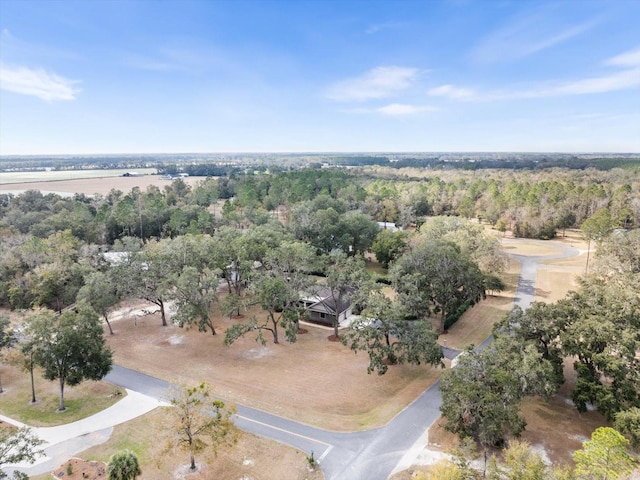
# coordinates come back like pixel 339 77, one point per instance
pixel 455 316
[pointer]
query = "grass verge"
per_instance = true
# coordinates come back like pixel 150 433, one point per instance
pixel 81 401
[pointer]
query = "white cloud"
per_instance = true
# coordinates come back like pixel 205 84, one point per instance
pixel 524 36
pixel 623 79
pixel 608 83
pixel 450 91
pixel 393 109
pixel 626 59
pixel 380 82
pixel 37 83
pixel 396 109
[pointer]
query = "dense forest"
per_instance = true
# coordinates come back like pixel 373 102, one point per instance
pixel 331 209
pixel 268 235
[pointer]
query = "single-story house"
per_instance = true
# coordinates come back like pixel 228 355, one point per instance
pixel 323 308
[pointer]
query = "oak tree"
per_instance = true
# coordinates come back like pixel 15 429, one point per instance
pixel 18 446
pixel 8 337
pixel 69 347
pixel 100 290
pixel 435 277
pixel 389 338
pixel 481 395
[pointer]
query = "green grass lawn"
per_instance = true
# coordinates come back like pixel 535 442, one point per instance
pixel 81 401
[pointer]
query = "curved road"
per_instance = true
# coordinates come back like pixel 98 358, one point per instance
pixel 368 455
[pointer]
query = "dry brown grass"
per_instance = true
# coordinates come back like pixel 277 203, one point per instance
pixel 313 380
pixel 554 284
pixel 530 249
pixel 573 238
pixel 557 277
pixel 252 457
pixel 476 324
pixel 578 262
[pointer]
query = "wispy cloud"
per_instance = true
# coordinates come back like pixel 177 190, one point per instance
pixel 397 109
pixel 380 82
pixel 165 60
pixel 450 91
pixel 622 79
pixel 393 109
pixel 16 50
pixel 525 36
pixel 37 83
pixel 184 59
pixel 626 59
pixel 377 27
pixel 607 83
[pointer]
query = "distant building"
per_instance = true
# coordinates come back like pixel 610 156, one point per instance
pixel 388 226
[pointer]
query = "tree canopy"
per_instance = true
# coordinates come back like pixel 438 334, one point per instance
pixel 388 337
pixel 69 347
pixel 481 395
pixel 435 277
pixel 17 446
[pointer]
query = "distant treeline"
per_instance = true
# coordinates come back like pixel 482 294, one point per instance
pixel 574 163
pixel 217 165
pixel 200 170
pixel 528 164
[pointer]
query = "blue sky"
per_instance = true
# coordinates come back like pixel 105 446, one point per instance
pixel 319 76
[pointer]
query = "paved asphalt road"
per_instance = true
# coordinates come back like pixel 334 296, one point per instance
pixel 369 455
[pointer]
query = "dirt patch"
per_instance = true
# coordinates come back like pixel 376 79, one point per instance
pixel 78 469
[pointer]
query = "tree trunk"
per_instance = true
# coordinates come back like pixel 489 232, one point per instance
pixel 442 321
pixel 275 327
pixel 162 313
pixel 61 407
pixel 33 386
pixel 193 462
pixel 106 319
pixel 210 323
pixel 336 324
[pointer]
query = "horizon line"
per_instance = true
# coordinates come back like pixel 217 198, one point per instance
pixel 327 152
